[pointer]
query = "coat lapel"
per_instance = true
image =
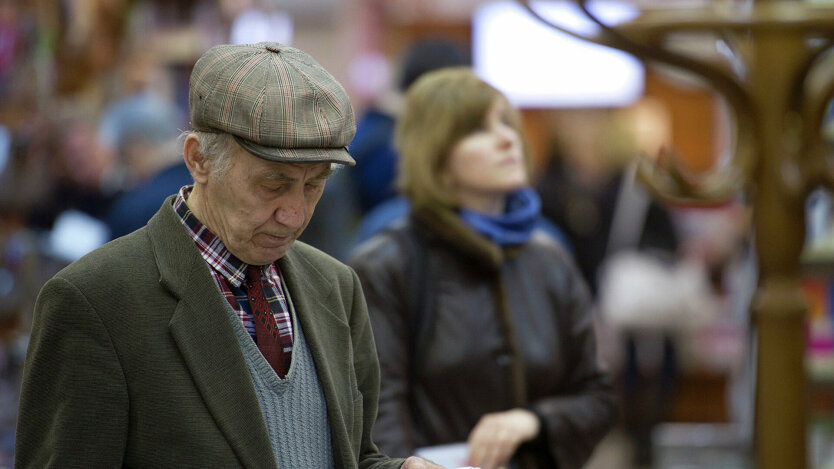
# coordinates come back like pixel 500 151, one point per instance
pixel 328 336
pixel 200 327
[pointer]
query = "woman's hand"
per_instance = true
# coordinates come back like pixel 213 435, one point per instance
pixel 498 435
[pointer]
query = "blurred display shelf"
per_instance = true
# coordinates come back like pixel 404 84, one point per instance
pixel 728 446
pixel 821 442
pixel 817 271
pixel 817 257
pixel 820 369
pixel 821 387
pixel 702 446
pixel 818 285
pixel 818 262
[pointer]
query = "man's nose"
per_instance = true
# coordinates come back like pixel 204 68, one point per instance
pixel 291 211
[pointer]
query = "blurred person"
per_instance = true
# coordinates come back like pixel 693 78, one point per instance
pixel 141 118
pixel 373 145
pixel 132 209
pixel 583 180
pixel 82 172
pixel 22 272
pixel 626 245
pixel 210 337
pixel 379 204
pixel 141 127
pixel 482 323
pixel 82 185
pixel 365 192
pixel 337 209
pixel 20 269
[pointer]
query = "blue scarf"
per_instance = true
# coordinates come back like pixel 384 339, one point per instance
pixel 514 226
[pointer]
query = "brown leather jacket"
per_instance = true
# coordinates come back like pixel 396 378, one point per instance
pixel 464 328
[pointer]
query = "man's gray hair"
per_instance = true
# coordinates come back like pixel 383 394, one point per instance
pixel 216 148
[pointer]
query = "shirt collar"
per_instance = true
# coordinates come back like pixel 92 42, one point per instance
pixel 210 246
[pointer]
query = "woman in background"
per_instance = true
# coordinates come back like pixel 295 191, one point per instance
pixel 482 322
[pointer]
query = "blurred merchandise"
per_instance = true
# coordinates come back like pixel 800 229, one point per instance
pixel 818 286
pixel 819 235
pixel 639 291
pixel 820 328
pixel 821 442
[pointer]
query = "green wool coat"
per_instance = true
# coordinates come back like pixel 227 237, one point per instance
pixel 133 361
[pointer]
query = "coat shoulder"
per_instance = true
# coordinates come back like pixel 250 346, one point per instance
pixel 544 244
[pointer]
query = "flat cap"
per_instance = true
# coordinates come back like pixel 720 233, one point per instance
pixel 278 102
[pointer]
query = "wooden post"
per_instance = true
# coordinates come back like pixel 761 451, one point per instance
pixel 779 222
pixel 779 158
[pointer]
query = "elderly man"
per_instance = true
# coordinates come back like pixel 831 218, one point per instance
pixel 209 338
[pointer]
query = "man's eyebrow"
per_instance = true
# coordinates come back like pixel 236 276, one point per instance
pixel 278 177
pixel 285 178
pixel 328 170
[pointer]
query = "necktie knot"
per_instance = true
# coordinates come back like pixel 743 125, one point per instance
pixel 253 276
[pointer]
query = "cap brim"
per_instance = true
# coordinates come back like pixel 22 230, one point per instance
pixel 298 155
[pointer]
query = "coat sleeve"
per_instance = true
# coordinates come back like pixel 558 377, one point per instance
pixel 577 419
pixel 394 430
pixel 368 378
pixel 74 402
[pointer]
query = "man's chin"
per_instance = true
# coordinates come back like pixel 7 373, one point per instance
pixel 276 253
pixel 268 254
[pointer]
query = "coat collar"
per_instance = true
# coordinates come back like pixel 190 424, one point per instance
pixel 328 336
pixel 446 225
pixel 200 328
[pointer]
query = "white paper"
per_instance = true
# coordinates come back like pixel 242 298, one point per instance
pixel 452 456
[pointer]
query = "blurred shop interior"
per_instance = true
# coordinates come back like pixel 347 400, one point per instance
pixel 93 94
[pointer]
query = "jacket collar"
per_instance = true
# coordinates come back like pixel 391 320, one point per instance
pixel 446 225
pixel 200 328
pixel 328 337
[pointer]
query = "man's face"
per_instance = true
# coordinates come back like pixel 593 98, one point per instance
pixel 258 208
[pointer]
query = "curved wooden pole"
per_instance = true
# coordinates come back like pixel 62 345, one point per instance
pixel 720 186
pixel 815 152
pixel 741 103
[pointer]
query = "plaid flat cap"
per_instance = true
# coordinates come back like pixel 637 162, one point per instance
pixel 278 102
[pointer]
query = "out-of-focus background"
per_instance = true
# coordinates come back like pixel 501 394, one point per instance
pixel 93 94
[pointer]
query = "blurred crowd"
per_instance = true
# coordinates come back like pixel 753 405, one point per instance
pixel 89 114
pixel 89 120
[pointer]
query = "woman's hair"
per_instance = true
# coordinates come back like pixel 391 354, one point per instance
pixel 441 108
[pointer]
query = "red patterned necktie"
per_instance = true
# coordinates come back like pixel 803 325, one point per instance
pixel 266 330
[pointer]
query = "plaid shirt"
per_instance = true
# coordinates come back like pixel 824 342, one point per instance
pixel 229 272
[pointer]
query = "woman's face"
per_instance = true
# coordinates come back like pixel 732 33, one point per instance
pixel 488 163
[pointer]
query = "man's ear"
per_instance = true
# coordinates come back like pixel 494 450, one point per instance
pixel 195 160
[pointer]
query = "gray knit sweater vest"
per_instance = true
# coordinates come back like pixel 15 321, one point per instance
pixel 294 408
